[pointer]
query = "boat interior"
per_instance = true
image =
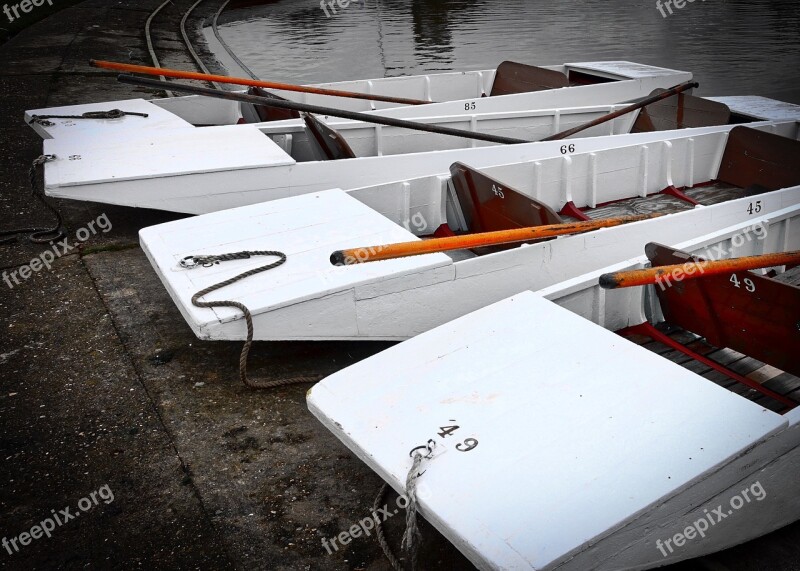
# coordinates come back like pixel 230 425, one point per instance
pixel 740 330
pixel 465 87
pixel 316 140
pixel 509 78
pixel 752 162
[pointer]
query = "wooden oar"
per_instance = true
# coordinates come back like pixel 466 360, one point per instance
pixel 285 104
pixel 625 110
pixel 478 240
pixel 694 270
pixel 178 74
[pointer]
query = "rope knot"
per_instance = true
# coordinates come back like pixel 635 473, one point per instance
pixel 43 120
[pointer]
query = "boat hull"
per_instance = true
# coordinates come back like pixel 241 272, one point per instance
pixel 559 444
pixel 309 299
pixel 455 92
pixel 215 168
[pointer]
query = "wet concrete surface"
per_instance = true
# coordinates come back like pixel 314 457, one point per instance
pixel 103 384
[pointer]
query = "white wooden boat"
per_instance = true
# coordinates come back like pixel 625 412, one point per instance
pixel 562 440
pixel 511 87
pixel 213 168
pixel 308 298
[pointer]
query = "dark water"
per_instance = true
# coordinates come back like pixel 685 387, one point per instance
pixel 733 47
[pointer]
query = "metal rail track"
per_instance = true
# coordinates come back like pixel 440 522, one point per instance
pixel 222 42
pixel 195 57
pixel 188 42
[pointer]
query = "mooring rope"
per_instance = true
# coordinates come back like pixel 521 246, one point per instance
pixel 191 262
pixel 380 534
pixel 412 537
pixel 112 114
pixel 38 235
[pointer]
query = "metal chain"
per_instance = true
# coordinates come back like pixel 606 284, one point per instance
pixel 190 262
pixel 112 114
pixel 38 235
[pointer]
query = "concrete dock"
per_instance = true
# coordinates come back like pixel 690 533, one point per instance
pixel 104 387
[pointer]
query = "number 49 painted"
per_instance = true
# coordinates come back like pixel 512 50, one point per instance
pixel 749 284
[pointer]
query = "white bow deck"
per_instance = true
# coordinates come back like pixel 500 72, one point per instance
pixel 579 433
pixel 760 108
pixel 158 119
pixel 305 230
pixel 148 156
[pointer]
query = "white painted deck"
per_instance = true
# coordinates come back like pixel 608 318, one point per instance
pixel 306 232
pixel 158 120
pixel 150 155
pixel 760 108
pixel 621 68
pixel 581 434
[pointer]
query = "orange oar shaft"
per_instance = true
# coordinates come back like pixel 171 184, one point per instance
pixel 694 270
pixel 416 248
pixel 178 74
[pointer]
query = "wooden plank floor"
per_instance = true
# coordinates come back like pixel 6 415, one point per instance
pixel 766 375
pixel 707 194
pixel 714 193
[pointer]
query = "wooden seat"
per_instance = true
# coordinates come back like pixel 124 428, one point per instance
pixel 267 113
pixel 681 111
pixel 759 161
pixel 512 77
pixel 488 205
pixel 578 78
pixel 330 142
pixel 750 313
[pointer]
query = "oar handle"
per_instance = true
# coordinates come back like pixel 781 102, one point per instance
pixel 680 88
pixel 179 74
pixel 694 270
pixel 402 249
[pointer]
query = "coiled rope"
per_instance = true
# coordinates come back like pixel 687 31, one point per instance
pixel 191 262
pixel 112 114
